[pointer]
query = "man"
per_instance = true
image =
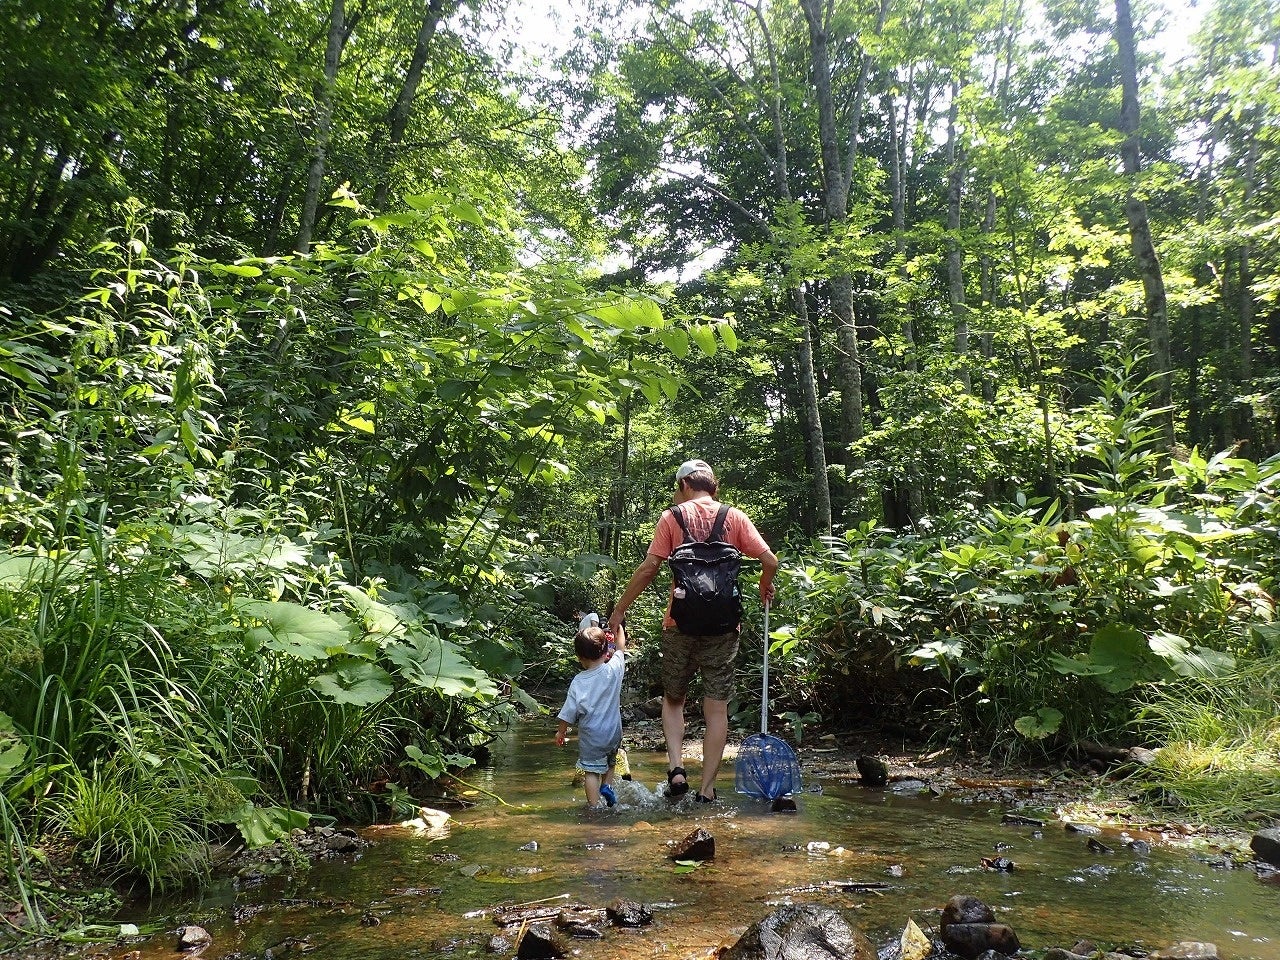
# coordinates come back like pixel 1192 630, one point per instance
pixel 684 655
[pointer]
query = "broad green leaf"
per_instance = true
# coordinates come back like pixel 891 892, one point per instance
pixel 704 336
pixel 262 826
pixel 12 750
pixel 378 618
pixel 433 663
pixel 728 336
pixel 296 630
pixel 21 569
pixel 1040 724
pixel 357 684
pixel 675 339
pixel 1190 661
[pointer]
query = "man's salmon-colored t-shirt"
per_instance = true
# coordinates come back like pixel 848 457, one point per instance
pixel 700 517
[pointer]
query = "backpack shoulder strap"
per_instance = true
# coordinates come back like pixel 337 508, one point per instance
pixel 717 529
pixel 679 515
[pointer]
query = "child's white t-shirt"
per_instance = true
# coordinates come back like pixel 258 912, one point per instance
pixel 593 705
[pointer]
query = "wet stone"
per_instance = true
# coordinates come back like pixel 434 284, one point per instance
pixel 342 843
pixel 699 845
pixel 531 846
pixel 873 771
pixel 1084 947
pixel 541 941
pixel 1097 846
pixel 1186 950
pixel 628 913
pixel 1140 847
pixel 1266 846
pixel 1082 828
pixel 802 932
pixel 1058 953
pixel 1002 864
pixel 975 939
pixel 581 923
pixel 1018 820
pixel 963 908
pixel 192 938
pixel 912 786
pixel 500 943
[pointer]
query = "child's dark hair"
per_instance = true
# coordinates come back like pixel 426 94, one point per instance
pixel 590 644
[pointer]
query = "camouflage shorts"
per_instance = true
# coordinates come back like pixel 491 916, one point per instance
pixel 713 657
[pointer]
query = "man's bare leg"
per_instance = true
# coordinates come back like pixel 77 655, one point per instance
pixel 673 731
pixel 716 715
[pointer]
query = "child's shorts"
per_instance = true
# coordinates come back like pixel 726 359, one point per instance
pixel 600 766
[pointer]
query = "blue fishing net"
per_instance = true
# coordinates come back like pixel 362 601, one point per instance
pixel 767 768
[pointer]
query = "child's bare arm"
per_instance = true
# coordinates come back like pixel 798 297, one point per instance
pixel 561 733
pixel 620 639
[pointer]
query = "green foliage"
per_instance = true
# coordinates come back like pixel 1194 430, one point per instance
pixel 1054 629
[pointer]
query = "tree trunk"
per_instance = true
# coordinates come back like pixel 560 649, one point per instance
pixel 1144 251
pixel 835 203
pixel 814 438
pixel 398 117
pixel 955 251
pixel 323 121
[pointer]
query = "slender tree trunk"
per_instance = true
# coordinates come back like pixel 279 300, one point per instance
pixel 321 128
pixel 1135 209
pixel 898 203
pixel 398 117
pixel 955 251
pixel 812 416
pixel 835 203
pixel 815 435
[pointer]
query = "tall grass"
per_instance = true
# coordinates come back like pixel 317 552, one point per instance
pixel 1221 743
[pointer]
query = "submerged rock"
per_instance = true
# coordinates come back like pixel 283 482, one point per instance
pixel 1186 950
pixel 802 932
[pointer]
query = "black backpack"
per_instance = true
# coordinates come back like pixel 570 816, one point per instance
pixel 706 599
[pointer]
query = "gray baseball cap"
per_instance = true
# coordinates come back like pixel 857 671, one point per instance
pixel 693 466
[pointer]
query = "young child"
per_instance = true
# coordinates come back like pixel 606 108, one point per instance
pixel 593 705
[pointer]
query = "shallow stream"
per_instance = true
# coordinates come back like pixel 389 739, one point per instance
pixel 411 894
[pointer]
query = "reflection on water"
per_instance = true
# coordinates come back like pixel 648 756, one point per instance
pixel 428 895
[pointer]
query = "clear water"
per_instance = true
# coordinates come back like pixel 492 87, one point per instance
pixel 925 849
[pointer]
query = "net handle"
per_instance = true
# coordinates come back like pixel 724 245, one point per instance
pixel 764 695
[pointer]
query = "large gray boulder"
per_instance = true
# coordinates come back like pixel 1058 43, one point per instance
pixel 804 931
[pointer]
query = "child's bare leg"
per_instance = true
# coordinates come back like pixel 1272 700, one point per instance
pixel 592 781
pixel 608 775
